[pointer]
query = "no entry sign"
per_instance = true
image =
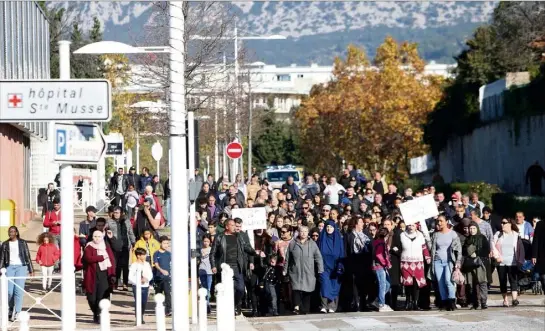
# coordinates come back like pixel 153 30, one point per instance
pixel 234 150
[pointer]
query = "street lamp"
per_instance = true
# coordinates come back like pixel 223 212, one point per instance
pixel 179 182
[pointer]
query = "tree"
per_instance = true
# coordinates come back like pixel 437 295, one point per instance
pixel 370 115
pixel 507 44
pixel 96 31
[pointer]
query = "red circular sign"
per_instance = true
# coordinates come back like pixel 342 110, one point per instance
pixel 234 150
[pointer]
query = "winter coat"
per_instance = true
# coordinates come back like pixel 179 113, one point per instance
pixel 538 247
pixel 47 255
pixel 301 258
pixel 92 259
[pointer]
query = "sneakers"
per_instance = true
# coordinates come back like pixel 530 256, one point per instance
pixel 375 304
pixel 323 310
pixel 331 311
pixel 384 309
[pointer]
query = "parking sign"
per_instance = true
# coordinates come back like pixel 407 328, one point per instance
pixel 61 142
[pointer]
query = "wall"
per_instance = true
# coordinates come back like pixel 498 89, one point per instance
pixel 493 154
pixel 13 144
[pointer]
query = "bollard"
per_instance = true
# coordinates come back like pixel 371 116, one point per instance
pixel 138 287
pixel 160 312
pixel 229 300
pixel 4 306
pixel 203 309
pixel 104 306
pixel 24 318
pixel 220 306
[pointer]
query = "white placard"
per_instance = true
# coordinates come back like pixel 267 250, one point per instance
pixel 5 218
pixel 252 218
pixel 419 209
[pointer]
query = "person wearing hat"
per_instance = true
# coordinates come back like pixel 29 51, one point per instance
pixel 88 223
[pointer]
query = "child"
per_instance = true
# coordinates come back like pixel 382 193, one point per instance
pixel 48 254
pixel 140 271
pixel 149 245
pixel 162 260
pixel 132 200
pixel 270 282
pixel 205 269
pixel 381 264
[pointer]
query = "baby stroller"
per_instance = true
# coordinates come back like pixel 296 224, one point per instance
pixel 528 279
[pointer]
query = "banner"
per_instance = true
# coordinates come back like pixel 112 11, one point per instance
pixel 252 218
pixel 419 209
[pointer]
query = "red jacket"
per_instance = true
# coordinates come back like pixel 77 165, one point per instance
pixel 47 255
pixel 50 218
pixel 77 254
pixel 91 260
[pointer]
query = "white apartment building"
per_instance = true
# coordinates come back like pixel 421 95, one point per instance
pixel 286 85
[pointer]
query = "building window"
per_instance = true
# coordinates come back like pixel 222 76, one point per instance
pixel 283 78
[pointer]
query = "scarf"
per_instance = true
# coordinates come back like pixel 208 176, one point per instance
pixel 101 250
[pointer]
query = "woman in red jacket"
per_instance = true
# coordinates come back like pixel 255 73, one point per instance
pixel 48 254
pixel 99 271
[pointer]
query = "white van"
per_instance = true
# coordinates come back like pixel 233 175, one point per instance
pixel 278 175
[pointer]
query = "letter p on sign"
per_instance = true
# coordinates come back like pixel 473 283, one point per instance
pixel 61 142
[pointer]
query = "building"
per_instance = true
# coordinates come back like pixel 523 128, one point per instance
pixel 25 151
pixel 284 87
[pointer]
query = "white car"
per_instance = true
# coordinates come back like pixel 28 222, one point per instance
pixel 278 175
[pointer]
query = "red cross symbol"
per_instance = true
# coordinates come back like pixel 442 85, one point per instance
pixel 14 100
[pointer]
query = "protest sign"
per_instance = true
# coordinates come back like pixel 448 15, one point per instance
pixel 418 209
pixel 252 218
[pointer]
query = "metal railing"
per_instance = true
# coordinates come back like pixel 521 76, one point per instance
pixel 83 197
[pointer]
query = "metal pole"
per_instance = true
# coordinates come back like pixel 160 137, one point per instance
pixel 179 182
pixel 216 151
pixel 235 162
pixel 137 147
pixel 250 108
pixel 158 161
pixel 194 280
pixel 225 136
pixel 68 285
pixel 191 138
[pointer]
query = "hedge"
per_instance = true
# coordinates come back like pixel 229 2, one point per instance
pixel 507 204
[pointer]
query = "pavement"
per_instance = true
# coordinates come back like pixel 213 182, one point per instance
pixel 45 311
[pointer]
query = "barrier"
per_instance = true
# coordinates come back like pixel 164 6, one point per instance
pixel 160 320
pixel 220 303
pixel 104 306
pixel 138 286
pixel 4 304
pixel 24 318
pixel 228 308
pixel 203 309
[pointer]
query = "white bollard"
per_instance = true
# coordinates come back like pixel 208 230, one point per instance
pixel 24 318
pixel 220 306
pixel 160 312
pixel 229 300
pixel 203 309
pixel 4 305
pixel 138 287
pixel 104 306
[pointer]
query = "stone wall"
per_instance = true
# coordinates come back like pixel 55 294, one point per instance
pixel 498 153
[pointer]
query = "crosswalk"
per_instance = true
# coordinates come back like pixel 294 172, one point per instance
pixel 527 318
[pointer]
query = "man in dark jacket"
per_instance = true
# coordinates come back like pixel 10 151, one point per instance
pixel 133 179
pixel 230 248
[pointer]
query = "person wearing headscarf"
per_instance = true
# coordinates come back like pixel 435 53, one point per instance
pixel 462 229
pixel 475 252
pixel 331 247
pixel 99 272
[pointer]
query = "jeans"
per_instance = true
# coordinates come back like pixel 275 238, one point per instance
pixel 47 272
pixel 383 285
pixel 270 291
pixel 163 285
pixel 145 291
pixel 238 280
pixel 206 282
pixel 443 274
pixel 166 211
pixel 16 286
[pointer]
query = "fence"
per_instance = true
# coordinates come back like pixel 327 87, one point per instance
pixel 83 197
pixel 224 294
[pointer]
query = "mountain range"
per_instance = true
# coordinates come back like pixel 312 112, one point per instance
pixel 317 31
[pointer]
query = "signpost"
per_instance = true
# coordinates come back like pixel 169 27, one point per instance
pixel 234 150
pixel 78 143
pixel 55 100
pixel 114 149
pixel 157 153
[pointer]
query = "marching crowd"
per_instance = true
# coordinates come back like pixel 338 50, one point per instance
pixel 333 244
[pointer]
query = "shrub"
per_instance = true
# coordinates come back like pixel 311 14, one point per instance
pixel 507 204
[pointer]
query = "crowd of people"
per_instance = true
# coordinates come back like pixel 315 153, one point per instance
pixel 342 244
pixel 330 245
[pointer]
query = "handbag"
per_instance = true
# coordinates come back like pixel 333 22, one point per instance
pixel 458 278
pixel 471 263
